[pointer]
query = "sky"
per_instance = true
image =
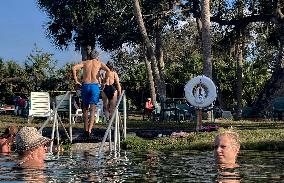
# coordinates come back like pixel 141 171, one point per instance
pixel 22 26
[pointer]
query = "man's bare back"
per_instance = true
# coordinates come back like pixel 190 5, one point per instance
pixel 91 70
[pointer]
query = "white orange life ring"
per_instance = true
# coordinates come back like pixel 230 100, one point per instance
pixel 200 91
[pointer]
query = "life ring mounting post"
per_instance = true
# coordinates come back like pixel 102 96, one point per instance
pixel 200 92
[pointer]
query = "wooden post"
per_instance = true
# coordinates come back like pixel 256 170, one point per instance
pixel 199 119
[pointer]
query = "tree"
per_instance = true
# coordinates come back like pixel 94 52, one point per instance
pixel 88 23
pixel 72 21
pixel 149 48
pixel 206 38
pixel 39 67
pixel 11 80
pixel 109 24
pixel 225 14
pixel 274 86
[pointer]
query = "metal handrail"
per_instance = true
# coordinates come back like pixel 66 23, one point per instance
pixel 53 112
pixel 55 125
pixel 115 116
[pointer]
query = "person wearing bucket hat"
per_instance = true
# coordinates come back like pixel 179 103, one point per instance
pixel 7 138
pixel 30 145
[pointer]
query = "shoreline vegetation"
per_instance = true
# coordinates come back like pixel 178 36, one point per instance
pixel 260 139
pixel 254 135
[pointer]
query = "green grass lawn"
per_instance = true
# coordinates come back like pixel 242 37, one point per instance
pixel 8 120
pixel 254 135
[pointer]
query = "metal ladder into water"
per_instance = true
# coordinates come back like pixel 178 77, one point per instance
pixel 115 146
pixel 114 123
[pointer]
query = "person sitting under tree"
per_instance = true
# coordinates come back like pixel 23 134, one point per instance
pixel 149 107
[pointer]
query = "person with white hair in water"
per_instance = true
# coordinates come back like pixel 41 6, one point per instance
pixel 226 150
pixel 226 147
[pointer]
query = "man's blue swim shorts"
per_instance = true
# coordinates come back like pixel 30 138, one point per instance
pixel 90 93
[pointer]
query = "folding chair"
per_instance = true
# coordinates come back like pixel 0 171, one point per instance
pixel 39 105
pixel 99 112
pixel 78 114
pixel 63 109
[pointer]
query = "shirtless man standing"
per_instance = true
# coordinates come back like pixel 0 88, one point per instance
pixel 90 90
pixel 111 90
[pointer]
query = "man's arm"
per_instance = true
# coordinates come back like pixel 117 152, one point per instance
pixel 75 68
pixel 104 67
pixel 117 84
pixel 107 74
pixel 104 81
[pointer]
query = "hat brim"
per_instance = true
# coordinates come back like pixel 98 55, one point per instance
pixel 41 141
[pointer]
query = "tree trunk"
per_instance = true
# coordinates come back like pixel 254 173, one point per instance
pixel 150 51
pixel 280 61
pixel 206 38
pixel 239 69
pixel 199 28
pixel 239 78
pixel 151 80
pixel 85 52
pixel 160 58
pixel 197 16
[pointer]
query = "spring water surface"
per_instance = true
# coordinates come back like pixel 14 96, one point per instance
pixel 150 166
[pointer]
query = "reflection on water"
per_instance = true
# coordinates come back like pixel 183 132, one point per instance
pixel 150 166
pixel 231 175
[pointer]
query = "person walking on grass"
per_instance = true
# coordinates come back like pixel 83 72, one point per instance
pixel 90 90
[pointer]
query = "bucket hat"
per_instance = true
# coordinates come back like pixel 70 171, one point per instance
pixel 29 138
